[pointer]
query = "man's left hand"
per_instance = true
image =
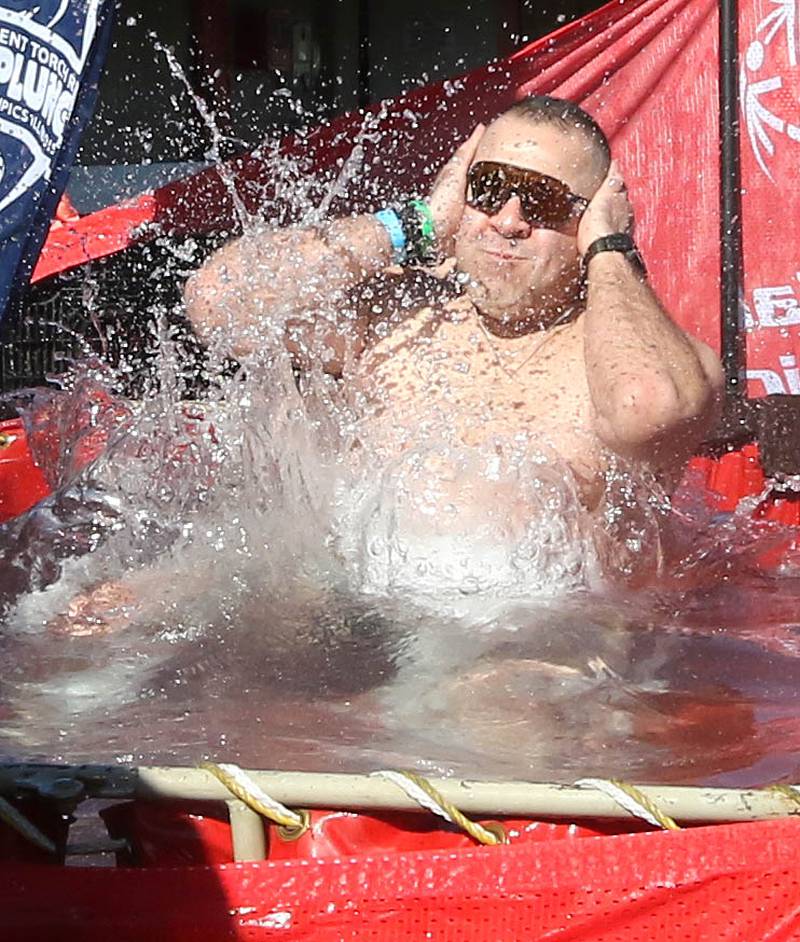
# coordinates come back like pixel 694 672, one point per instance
pixel 608 212
pixel 449 191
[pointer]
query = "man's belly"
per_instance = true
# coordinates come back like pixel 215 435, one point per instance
pixel 441 517
pixel 463 497
pixel 396 415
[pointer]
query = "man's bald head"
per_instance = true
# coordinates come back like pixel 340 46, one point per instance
pixel 518 265
pixel 568 117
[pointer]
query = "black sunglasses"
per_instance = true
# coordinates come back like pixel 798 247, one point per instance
pixel 545 202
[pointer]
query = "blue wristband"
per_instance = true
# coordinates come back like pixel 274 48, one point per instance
pixel 390 221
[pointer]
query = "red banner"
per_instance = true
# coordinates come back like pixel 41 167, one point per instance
pixel 647 70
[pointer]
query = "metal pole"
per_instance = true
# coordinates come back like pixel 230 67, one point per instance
pixel 731 277
pixel 64 783
pixel 523 799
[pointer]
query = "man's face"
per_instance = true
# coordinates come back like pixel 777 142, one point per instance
pixel 517 267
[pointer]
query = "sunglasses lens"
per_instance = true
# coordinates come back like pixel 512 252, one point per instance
pixel 487 189
pixel 545 205
pixel 545 201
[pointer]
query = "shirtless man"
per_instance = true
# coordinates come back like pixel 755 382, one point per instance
pixel 547 338
pixel 556 331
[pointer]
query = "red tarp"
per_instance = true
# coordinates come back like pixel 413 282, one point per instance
pixel 739 883
pixel 647 70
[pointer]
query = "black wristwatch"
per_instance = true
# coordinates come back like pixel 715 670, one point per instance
pixel 617 242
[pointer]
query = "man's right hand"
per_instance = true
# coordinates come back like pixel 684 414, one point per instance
pixel 449 192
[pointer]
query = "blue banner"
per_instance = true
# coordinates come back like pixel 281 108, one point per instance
pixel 51 57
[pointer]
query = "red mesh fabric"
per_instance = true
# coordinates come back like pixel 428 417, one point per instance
pixel 732 882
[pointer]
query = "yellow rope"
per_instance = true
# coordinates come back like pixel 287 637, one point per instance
pixel 792 792
pixel 485 834
pixel 633 800
pixel 666 822
pixel 292 824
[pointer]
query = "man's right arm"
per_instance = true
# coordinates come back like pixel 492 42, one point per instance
pixel 267 281
pixel 293 285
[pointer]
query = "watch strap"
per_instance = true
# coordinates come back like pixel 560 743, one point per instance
pixel 616 242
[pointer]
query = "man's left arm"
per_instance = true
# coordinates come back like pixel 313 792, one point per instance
pixel 651 384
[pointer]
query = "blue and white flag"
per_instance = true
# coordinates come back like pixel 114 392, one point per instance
pixel 51 57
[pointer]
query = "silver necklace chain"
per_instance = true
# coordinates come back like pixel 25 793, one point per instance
pixel 536 348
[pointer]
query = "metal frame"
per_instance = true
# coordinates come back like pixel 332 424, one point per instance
pixel 734 354
pixel 61 788
pixel 70 785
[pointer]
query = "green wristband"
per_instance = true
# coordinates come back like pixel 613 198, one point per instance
pixel 427 225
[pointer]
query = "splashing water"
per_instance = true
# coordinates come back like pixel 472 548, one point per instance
pixel 274 594
pixel 258 577
pixel 218 139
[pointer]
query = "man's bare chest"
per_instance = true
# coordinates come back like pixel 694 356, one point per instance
pixel 454 373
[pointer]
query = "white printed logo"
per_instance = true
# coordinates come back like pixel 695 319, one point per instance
pixel 775 306
pixel 43 49
pixel 785 381
pixel 759 119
